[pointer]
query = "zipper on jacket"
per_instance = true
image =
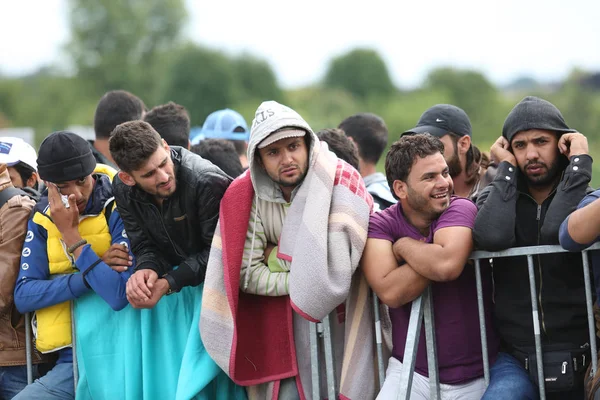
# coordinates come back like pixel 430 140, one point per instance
pixel 538 218
pixel 160 216
pixel 162 223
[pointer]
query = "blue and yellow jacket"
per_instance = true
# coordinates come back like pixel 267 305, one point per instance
pixel 48 280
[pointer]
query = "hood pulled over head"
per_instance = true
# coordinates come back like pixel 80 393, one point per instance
pixel 272 121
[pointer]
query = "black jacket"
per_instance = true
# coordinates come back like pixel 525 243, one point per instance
pixel 180 232
pixel 509 217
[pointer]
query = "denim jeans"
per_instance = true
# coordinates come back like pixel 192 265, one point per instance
pixel 13 380
pixel 509 380
pixel 57 384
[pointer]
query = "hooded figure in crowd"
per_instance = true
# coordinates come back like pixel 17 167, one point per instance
pixel 285 254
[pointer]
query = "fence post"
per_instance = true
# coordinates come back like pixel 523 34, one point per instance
pixel 28 348
pixel 74 347
pixel 410 348
pixel 482 330
pixel 378 339
pixel 314 361
pixel 329 366
pixel 432 365
pixel 590 311
pixel 536 329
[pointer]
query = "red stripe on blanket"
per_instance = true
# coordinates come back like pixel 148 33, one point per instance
pixel 263 338
pixel 349 177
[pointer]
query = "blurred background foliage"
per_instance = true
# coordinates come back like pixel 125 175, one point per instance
pixel 139 46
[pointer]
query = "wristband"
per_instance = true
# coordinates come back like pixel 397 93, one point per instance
pixel 76 245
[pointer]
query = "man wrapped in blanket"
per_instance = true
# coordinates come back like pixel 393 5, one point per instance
pixel 285 253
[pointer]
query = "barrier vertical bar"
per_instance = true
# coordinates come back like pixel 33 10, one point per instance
pixel 74 347
pixel 410 348
pixel 378 339
pixel 314 361
pixel 329 367
pixel 28 348
pixel 482 329
pixel 536 329
pixel 432 365
pixel 590 310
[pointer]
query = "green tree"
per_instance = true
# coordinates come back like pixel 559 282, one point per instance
pixel 120 44
pixel 256 79
pixel 202 80
pixel 361 72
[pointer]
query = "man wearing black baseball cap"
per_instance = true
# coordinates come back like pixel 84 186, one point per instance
pixel 544 171
pixel 74 228
pixel 452 126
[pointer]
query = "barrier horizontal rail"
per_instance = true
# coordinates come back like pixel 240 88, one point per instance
pixel 419 306
pixel 525 251
pixel 422 309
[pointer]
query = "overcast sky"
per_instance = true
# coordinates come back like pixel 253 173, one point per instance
pixel 504 39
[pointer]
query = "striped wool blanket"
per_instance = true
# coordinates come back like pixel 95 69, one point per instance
pixel 253 338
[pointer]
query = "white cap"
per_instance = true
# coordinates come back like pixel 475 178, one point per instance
pixel 15 150
pixel 284 133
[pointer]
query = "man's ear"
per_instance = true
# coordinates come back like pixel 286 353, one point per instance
pixel 33 179
pixel 464 143
pixel 126 178
pixel 166 145
pixel 400 189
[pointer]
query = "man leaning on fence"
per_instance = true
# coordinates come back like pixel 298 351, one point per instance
pixel 426 239
pixel 169 199
pixel 70 242
pixel 290 236
pixel 543 173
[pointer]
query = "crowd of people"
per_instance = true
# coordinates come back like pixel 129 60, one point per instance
pixel 180 263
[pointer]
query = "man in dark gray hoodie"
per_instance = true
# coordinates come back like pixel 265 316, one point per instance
pixel 543 173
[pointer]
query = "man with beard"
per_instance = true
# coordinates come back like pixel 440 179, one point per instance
pixel 426 239
pixel 543 173
pixel 452 126
pixel 286 253
pixel 169 199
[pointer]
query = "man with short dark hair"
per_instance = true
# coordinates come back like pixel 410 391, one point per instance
pixel 543 173
pixel 452 126
pixel 425 239
pixel 114 108
pixel 340 144
pixel 222 153
pixel 172 122
pixel 75 239
pixel 370 134
pixel 169 199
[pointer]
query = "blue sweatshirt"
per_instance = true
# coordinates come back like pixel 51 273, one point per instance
pixel 567 242
pixel 34 288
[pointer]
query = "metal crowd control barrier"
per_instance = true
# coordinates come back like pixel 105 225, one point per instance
pixel 29 349
pixel 422 309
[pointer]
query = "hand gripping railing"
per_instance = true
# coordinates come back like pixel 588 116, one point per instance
pixel 422 308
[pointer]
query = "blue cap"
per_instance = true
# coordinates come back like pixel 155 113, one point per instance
pixel 221 125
